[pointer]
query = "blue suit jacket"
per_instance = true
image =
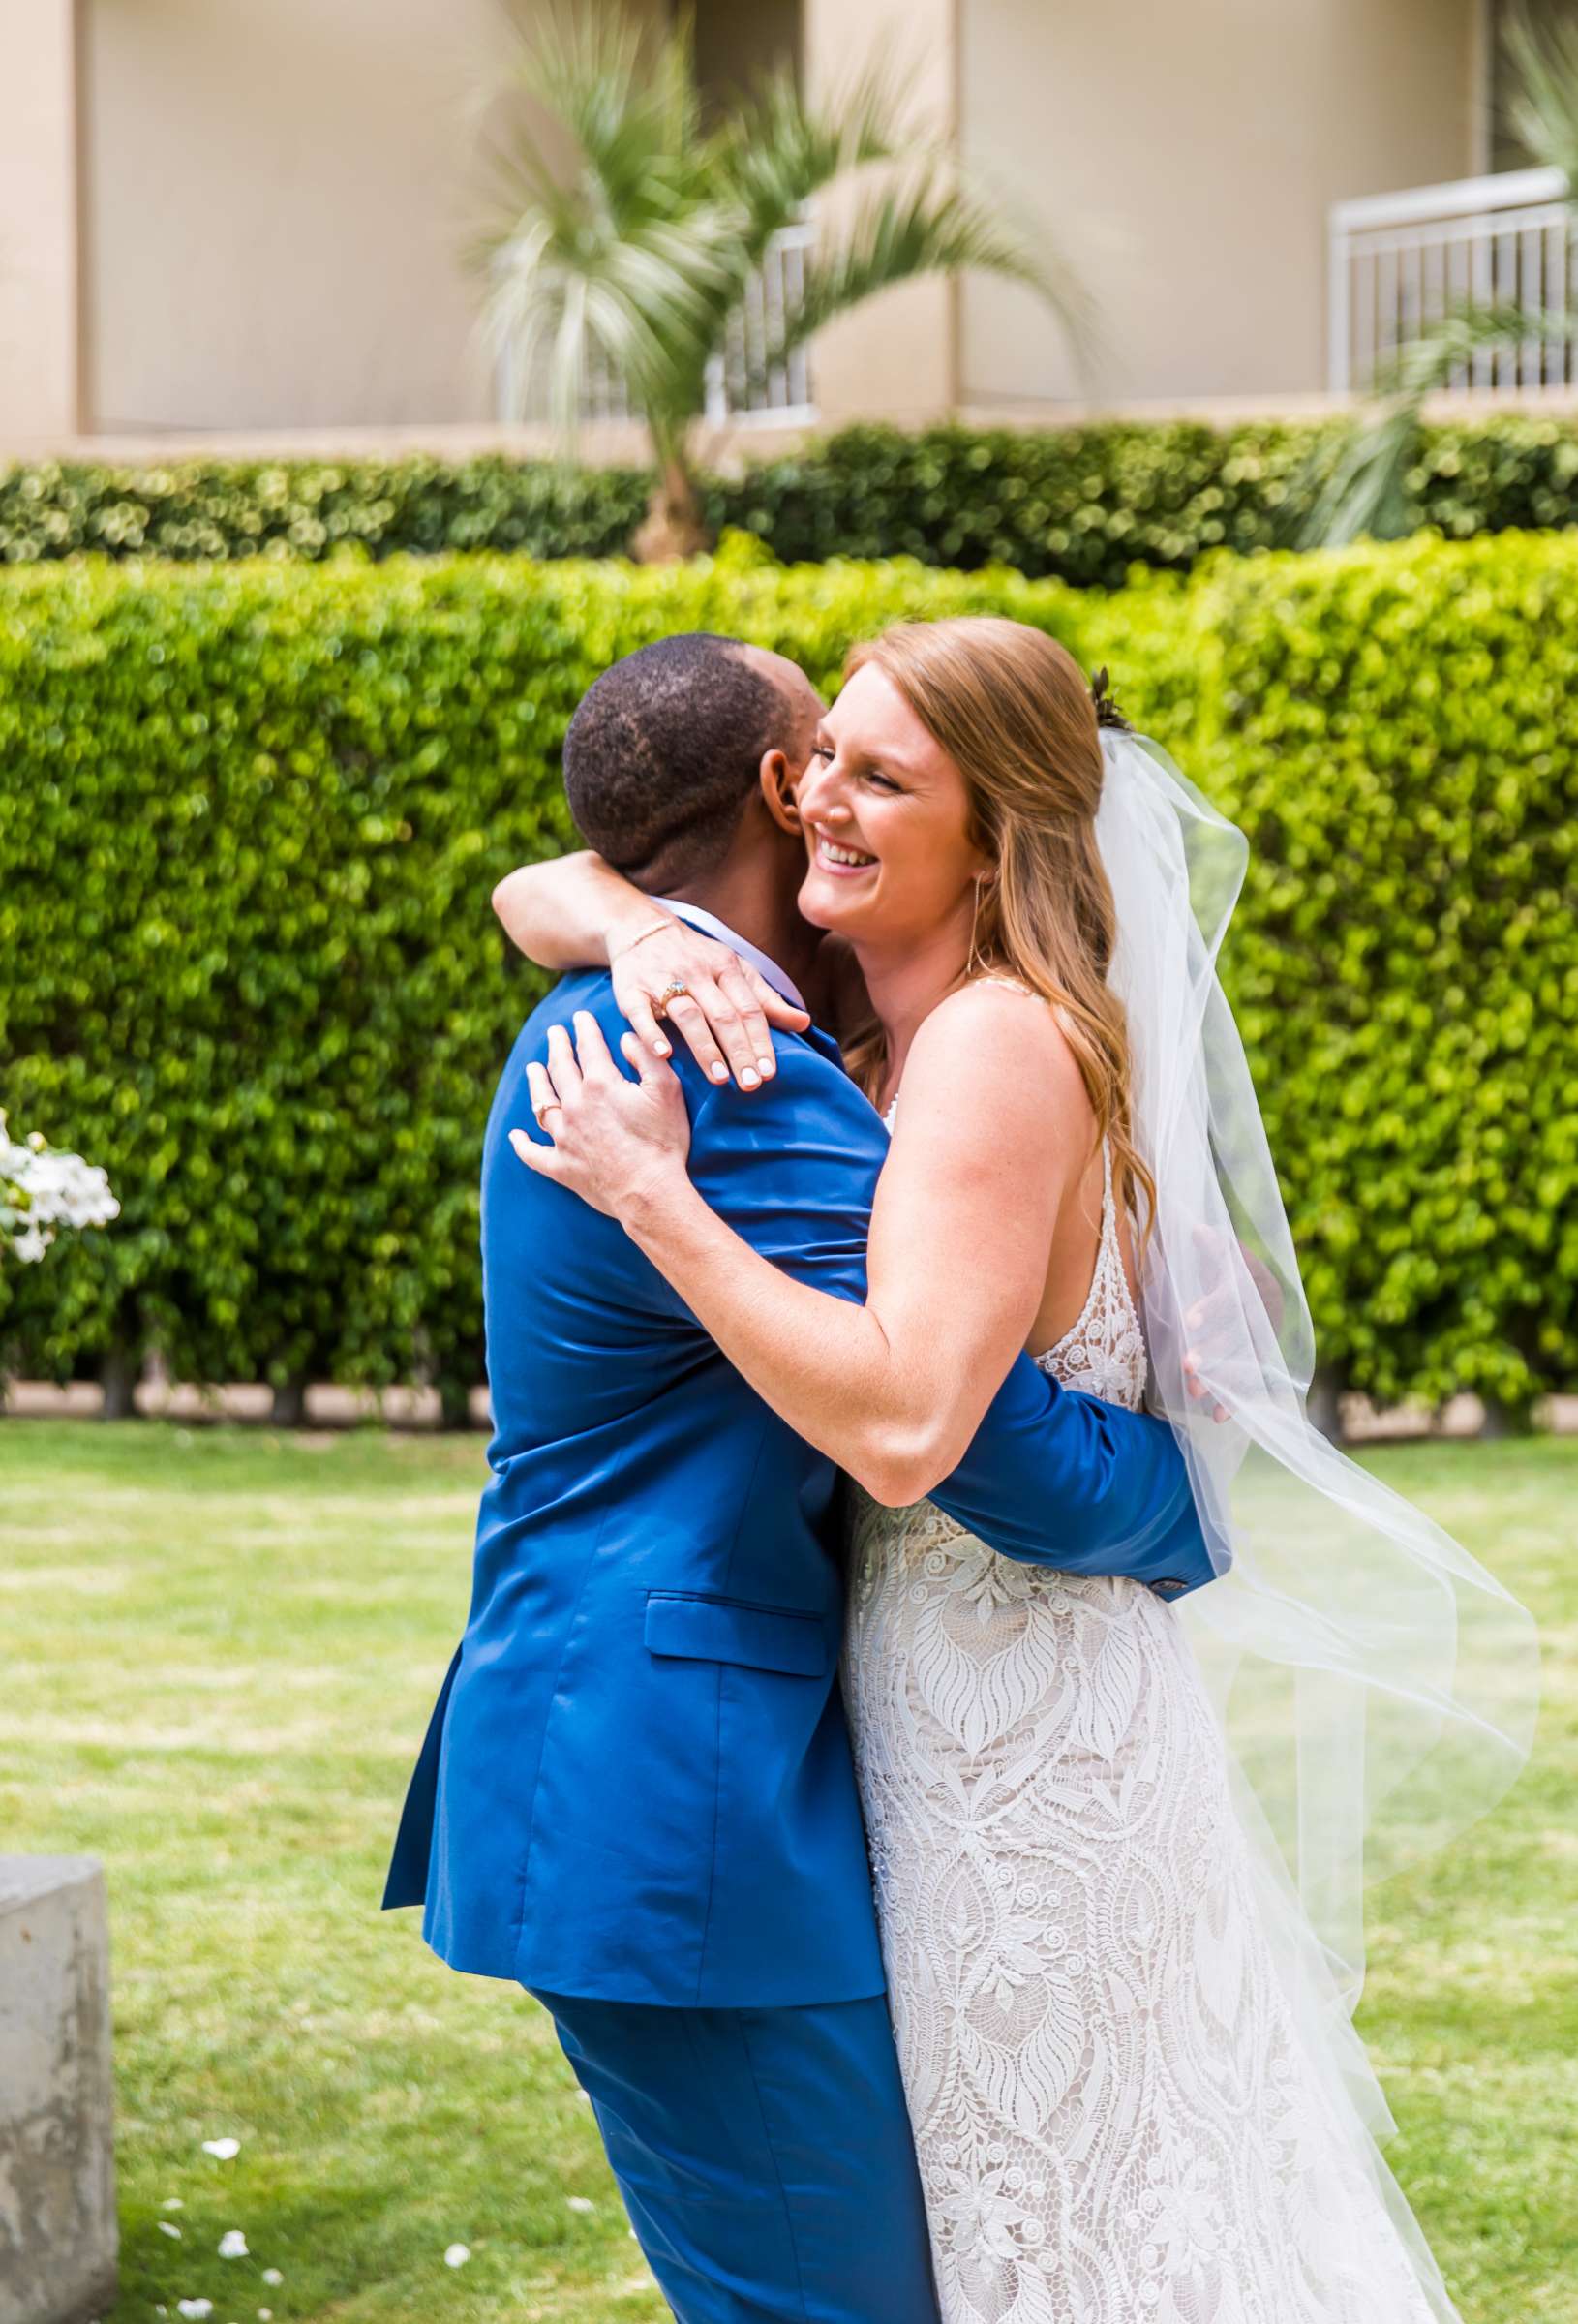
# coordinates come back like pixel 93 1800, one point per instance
pixel 636 1782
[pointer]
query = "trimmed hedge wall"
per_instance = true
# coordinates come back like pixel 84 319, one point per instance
pixel 1397 731
pixel 1083 505
pixel 312 508
pixel 1087 505
pixel 250 817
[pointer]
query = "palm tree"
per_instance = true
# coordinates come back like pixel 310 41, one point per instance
pixel 1366 492
pixel 635 258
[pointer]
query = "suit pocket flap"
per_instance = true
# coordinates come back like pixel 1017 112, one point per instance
pixel 722 1630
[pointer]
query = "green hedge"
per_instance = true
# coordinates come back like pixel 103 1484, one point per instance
pixel 1397 730
pixel 1087 505
pixel 250 816
pixel 312 508
pixel 1082 505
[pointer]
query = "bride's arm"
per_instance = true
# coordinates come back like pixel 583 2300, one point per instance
pixel 576 911
pixel 573 911
pixel 993 1129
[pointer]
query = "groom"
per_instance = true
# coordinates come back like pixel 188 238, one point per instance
pixel 635 1797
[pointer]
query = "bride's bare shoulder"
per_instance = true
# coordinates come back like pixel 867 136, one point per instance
pixel 996 1038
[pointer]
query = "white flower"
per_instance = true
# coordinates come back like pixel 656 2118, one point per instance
pixel 580 2203
pixel 172 2203
pixel 41 1190
pixel 457 2255
pixel 197 2309
pixel 272 2276
pixel 222 2147
pixel 232 2243
pixel 169 2227
pixel 266 2315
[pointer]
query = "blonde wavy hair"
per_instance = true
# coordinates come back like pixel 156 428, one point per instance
pixel 1013 711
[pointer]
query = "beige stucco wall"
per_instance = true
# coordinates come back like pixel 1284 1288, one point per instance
pixel 898 356
pixel 278 197
pixel 38 221
pixel 276 194
pixel 1184 158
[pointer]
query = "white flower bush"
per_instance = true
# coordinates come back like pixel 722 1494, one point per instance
pixel 42 1190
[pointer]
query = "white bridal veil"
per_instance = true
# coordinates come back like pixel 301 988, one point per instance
pixel 1377 1687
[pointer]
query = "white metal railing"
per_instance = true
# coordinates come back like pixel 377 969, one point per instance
pixel 740 384
pixel 1399 262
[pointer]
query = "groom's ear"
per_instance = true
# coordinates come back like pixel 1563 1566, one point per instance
pixel 778 779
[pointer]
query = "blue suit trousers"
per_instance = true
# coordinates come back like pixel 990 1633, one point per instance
pixel 764 2155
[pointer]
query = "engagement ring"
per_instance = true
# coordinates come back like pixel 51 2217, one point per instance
pixel 671 991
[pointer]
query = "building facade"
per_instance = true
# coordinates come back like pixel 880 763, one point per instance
pixel 249 218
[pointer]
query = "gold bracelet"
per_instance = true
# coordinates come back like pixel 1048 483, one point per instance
pixel 655 929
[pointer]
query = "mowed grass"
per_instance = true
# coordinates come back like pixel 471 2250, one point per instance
pixel 220 1649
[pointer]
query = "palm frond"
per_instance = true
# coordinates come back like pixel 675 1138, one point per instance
pixel 626 100
pixel 626 237
pixel 931 221
pixel 1542 112
pixel 1366 495
pixel 620 258
pixel 781 151
pixel 642 306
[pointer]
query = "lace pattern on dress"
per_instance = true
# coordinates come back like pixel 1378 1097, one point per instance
pixel 1104 1350
pixel 1114 2121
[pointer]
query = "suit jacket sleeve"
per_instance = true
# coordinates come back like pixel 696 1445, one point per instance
pixel 1052 1478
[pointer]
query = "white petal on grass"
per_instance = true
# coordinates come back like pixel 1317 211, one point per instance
pixel 272 2276
pixel 222 2147
pixel 266 2315
pixel 232 2244
pixel 580 2203
pixel 169 2227
pixel 457 2255
pixel 172 2203
pixel 194 2309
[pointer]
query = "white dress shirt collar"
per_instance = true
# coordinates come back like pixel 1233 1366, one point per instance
pixel 711 926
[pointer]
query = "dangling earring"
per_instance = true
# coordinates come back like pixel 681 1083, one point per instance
pixel 975 961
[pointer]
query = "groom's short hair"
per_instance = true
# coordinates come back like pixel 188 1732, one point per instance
pixel 664 751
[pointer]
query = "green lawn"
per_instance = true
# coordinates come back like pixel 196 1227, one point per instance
pixel 220 1648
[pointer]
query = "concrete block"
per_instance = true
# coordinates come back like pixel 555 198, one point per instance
pixel 57 2173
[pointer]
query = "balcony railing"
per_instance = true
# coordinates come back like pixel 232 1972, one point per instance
pixel 741 385
pixel 1399 262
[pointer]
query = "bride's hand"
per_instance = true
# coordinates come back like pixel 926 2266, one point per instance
pixel 723 1007
pixel 615 1141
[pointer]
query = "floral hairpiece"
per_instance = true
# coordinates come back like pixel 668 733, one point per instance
pixel 1108 712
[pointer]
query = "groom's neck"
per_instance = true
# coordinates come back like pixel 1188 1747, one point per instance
pixel 757 900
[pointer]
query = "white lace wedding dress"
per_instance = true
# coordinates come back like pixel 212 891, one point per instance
pixel 1114 2121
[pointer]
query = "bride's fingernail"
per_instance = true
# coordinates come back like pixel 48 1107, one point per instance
pixel 660 1047
pixel 750 1080
pixel 719 1073
pixel 765 1066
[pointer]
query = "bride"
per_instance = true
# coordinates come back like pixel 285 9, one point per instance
pixel 1117 1842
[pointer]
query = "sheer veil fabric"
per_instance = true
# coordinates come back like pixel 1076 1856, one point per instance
pixel 1377 1687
